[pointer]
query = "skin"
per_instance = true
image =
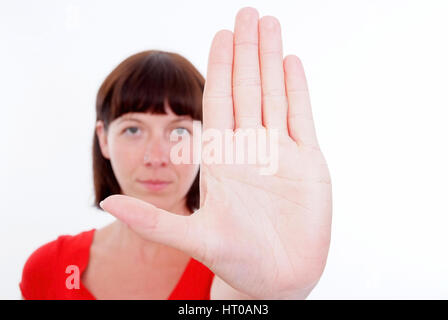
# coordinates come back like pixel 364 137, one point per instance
pixel 265 236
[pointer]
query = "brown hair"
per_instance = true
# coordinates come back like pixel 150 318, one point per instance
pixel 144 82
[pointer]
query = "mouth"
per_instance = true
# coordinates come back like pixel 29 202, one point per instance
pixel 154 185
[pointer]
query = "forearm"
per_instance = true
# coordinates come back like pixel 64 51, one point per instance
pixel 220 290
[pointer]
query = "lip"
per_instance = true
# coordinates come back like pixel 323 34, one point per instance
pixel 154 185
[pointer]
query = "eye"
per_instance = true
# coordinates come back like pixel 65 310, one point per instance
pixel 132 130
pixel 180 131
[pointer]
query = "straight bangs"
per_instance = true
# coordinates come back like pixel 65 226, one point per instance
pixel 148 82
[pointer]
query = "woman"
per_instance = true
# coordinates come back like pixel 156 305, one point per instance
pixel 144 101
pixel 254 236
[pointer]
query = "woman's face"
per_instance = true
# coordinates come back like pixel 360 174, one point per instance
pixel 138 146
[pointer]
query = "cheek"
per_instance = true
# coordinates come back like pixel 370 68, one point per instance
pixel 186 173
pixel 124 158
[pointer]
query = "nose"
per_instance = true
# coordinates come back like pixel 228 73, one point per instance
pixel 157 154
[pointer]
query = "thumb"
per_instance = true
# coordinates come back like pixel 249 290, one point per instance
pixel 155 224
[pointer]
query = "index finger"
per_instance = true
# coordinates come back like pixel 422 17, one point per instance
pixel 217 99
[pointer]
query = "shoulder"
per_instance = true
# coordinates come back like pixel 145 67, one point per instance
pixel 47 264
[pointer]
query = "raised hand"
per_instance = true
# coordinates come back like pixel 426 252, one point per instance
pixel 265 235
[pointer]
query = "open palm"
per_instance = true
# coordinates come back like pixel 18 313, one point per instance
pixel 265 235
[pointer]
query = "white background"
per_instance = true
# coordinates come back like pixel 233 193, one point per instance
pixel 378 78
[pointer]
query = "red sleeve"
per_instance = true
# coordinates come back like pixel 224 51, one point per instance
pixel 37 272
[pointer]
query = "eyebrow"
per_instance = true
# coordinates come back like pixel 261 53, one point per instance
pixel 178 119
pixel 129 118
pixel 181 118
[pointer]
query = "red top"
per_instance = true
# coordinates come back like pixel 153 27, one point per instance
pixel 45 273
